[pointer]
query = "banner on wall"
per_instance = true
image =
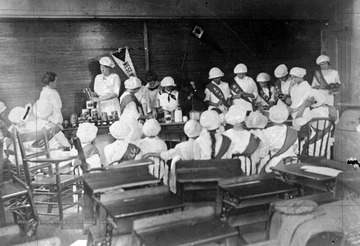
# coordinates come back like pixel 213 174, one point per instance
pixel 200 33
pixel 123 59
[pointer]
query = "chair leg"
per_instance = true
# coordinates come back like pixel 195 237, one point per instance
pixel 49 208
pixel 59 198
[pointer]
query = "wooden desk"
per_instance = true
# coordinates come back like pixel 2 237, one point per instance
pixel 294 174
pixel 188 233
pixel 110 180
pixel 71 131
pixel 129 205
pixel 259 191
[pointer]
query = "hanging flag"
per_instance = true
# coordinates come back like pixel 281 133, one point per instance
pixel 123 59
pixel 206 38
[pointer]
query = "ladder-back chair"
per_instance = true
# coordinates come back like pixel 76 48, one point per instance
pixel 54 185
pixel 315 137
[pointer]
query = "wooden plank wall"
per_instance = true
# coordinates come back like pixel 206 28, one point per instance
pixel 71 48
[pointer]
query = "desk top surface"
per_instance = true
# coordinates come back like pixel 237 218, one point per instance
pixel 119 178
pixel 295 169
pixel 258 188
pixel 190 232
pixel 122 208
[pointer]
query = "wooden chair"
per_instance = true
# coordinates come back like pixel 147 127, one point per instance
pixel 246 164
pixel 55 186
pixel 314 137
pixel 16 196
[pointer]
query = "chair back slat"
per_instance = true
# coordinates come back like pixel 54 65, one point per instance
pixel 78 147
pixel 317 138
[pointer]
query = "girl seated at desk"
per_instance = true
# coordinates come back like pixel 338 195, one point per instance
pixel 168 96
pixel 211 144
pixel 87 133
pixel 182 151
pixel 279 141
pixel 152 143
pixel 121 149
pixel 244 143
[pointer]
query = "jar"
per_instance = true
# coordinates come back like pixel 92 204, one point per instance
pixel 73 120
pixel 104 119
pixel 178 115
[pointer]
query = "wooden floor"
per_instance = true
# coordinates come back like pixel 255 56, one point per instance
pixel 72 233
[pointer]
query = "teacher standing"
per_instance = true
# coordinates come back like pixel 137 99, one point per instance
pixel 107 88
pixel 51 95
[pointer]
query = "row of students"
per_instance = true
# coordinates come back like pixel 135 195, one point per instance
pixel 289 89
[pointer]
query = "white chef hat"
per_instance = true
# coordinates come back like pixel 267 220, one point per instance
pixel 256 120
pixel 240 68
pixel 2 107
pixel 86 132
pixel 235 115
pixel 263 77
pixel 278 113
pixel 192 128
pixel 210 120
pixel 317 95
pixel 16 114
pixel 151 128
pixel 106 61
pixel 215 73
pixel 281 71
pixel 119 130
pixel 132 83
pixel 298 72
pixel 167 81
pixel 42 109
pixel 322 58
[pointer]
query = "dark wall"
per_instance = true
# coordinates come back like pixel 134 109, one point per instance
pixel 71 48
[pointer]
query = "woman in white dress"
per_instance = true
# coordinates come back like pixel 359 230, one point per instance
pixel 51 95
pixel 107 88
pixel 327 80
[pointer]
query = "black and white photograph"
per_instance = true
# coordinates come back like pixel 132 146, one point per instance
pixel 180 122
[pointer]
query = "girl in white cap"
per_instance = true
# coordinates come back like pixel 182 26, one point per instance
pixel 242 141
pixel 211 144
pixel 50 94
pixel 266 97
pixel 152 143
pixel 279 141
pixel 168 96
pixel 182 151
pixel 243 89
pixel 107 87
pixel 299 89
pixel 185 149
pixel 217 92
pixel 121 149
pixel 86 132
pixel 314 107
pixel 326 79
pixel 129 103
pixel 282 85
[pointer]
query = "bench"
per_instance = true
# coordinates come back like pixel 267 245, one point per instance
pixel 204 175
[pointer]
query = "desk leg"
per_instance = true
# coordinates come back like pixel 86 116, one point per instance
pixel 2 212
pixel 219 199
pixel 88 211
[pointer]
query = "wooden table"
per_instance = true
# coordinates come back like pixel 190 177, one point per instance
pixel 294 174
pixel 187 233
pixel 252 192
pixel 110 180
pixel 129 205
